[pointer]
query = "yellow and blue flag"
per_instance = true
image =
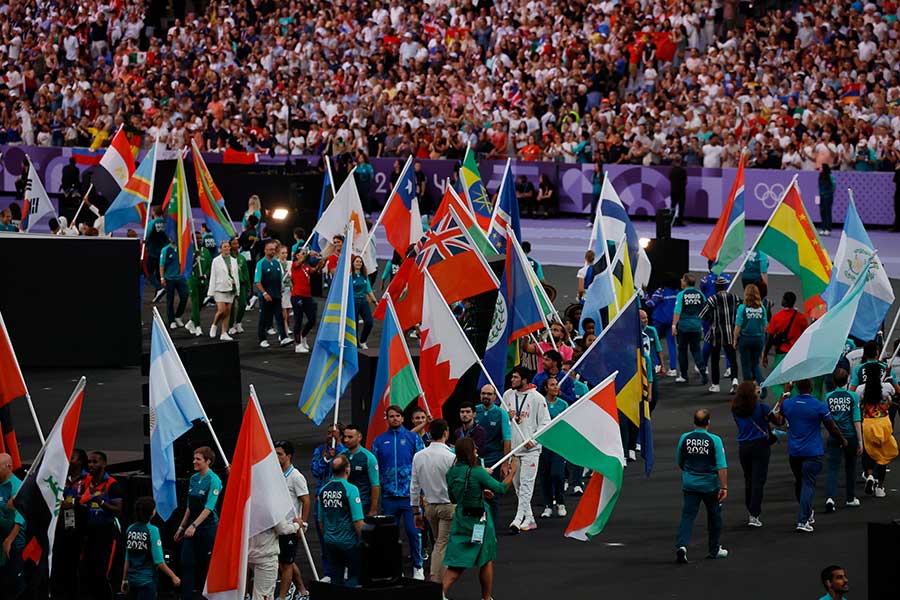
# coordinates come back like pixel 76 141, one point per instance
pixel 131 205
pixel 337 328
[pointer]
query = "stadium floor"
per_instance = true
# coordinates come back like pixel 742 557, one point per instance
pixel 632 558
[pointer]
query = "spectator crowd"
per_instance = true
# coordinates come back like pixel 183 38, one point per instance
pixel 797 83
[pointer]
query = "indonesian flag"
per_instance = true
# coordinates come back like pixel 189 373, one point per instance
pixel 41 493
pixel 256 499
pixel 587 434
pixel 116 167
pixel 446 353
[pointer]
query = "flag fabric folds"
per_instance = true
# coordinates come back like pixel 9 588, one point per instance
pixel 791 239
pixel 346 207
pixel 623 283
pixel 174 406
pixel 41 494
pixel 396 381
pixel 476 193
pixel 211 201
pixel 599 293
pixel 587 434
pixel 37 204
pixel 726 242
pixel 617 225
pixel 256 499
pixel 819 347
pixel 506 212
pixel 116 167
pixel 400 217
pixel 466 220
pixel 854 251
pixel 12 386
pixel 325 199
pixel 130 206
pixel 177 207
pixel 337 331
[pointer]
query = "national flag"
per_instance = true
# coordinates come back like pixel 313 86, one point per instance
pixel 256 499
pixel 335 348
pixel 400 217
pixel 37 204
pixel 347 208
pixel 396 381
pixel 446 353
pixel 790 238
pixel 599 293
pixel 623 284
pixel 131 205
pixel 41 494
pixel 466 220
pixel 174 406
pixel 406 288
pixel 645 429
pixel 211 201
pixel 506 212
pixel 177 207
pixel 476 193
pixel 238 157
pixel 587 434
pixel 854 251
pixel 116 167
pixel 325 199
pixel 726 242
pixel 8 441
pixel 820 346
pixel 617 348
pixel 617 225
pixel 12 386
pixel 87 158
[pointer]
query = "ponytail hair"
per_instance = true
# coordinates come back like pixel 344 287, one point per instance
pixel 872 378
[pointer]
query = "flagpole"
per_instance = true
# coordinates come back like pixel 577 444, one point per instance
pixel 499 192
pixel 761 232
pixel 555 420
pixel 381 214
pixel 83 198
pixel 162 326
pixel 345 279
pixel 312 563
pixel 187 208
pixel 525 265
pixel 599 217
pixel 891 332
pixel 393 313
pixel 37 424
pixel 149 196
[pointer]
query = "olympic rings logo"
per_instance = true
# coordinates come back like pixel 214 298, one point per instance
pixel 769 195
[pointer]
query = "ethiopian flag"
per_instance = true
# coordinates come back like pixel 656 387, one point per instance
pixel 476 194
pixel 395 378
pixel 791 239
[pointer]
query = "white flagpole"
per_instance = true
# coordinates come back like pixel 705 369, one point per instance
pixel 83 198
pixel 381 214
pixel 393 312
pixel 37 424
pixel 761 232
pixel 345 281
pixel 330 179
pixel 499 192
pixel 312 563
pixel 162 326
pixel 149 197
pixel 609 267
pixel 887 339
pixel 528 271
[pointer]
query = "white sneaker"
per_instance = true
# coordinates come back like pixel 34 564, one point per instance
pixel 696 369
pixel 190 327
pixel 680 379
pixel 754 522
pixel 232 330
pixel 870 485
pixel 179 322
pixel 264 344
pixel 734 385
pixel 419 573
pixel 714 388
pixel 197 332
pixel 528 525
pixel 829 505
pixel 805 527
pixel 516 525
pixel 413 334
pixel 363 346
pixel 812 517
pixel 681 555
pixel 253 300
pixel 286 341
pixel 325 579
pixel 727 373
pixel 173 325
pixel 300 349
pixel 632 455
pixel 879 491
pixel 212 331
pixel 271 331
pixel 854 502
pixel 548 512
pixel 158 295
pixel 671 373
pixel 239 328
pixel 720 553
pixel 561 510
pixel 226 338
pixel 577 490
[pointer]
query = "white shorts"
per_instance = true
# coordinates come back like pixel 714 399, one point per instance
pixel 285 300
pixel 226 297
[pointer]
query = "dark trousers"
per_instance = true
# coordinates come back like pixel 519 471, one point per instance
pixel 144 592
pixel 268 311
pixel 66 554
pixel 835 455
pixel 303 307
pixel 689 340
pixel 340 559
pixel 730 358
pixel 689 511
pixel 12 574
pixel 552 471
pixel 153 271
pixel 751 347
pixel 825 203
pixel 364 312
pixel 575 475
pixel 195 554
pixel 172 286
pixel 99 548
pixel 326 565
pixel 754 456
pixel 806 469
pixel 400 509
pixel 494 502
pixel 678 201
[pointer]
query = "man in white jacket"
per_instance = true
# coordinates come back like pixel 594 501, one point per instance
pixel 527 408
pixel 262 557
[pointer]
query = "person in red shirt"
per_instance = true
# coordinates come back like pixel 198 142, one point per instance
pixel 783 331
pixel 301 298
pixel 531 152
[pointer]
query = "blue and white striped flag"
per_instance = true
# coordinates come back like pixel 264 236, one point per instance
pixel 174 406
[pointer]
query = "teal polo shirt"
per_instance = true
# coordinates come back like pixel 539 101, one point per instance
pixel 363 473
pixel 688 303
pixel 170 263
pixel 143 551
pixel 700 454
pixel 495 422
pixel 339 508
pixel 752 321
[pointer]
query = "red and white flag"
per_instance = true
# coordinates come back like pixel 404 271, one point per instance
pixel 41 494
pixel 12 386
pixel 256 499
pixel 445 353
pixel 116 167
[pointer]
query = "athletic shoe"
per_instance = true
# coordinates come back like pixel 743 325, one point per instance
pixel 212 331
pixel 413 334
pixel 561 510
pixel 720 553
pixel 286 341
pixel 264 344
pixel 173 325
pixel 190 327
pixel 734 385
pixel 696 369
pixel 528 525
pixel 714 388
pixel 271 331
pixel 879 491
pixel 704 378
pixel 226 338
pixel 300 349
pixel 754 522
pixel 548 512
pixel 516 525
pixel 632 455
pixel 253 300
pixel 589 224
pixel 727 373
pixel 419 573
pixel 325 579
pixel 854 502
pixel 577 490
pixel 671 373
pixel 829 505
pixel 812 517
pixel 179 322
pixel 805 527
pixel 363 346
pixel 158 295
pixel 870 485
pixel 197 332
pixel 681 555
pixel 232 330
pixel 305 345
pixel 680 379
pixel 238 327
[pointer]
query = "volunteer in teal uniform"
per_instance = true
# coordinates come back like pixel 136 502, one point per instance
pixel 341 516
pixel 756 271
pixel 199 523
pixel 268 280
pixel 498 439
pixel 155 241
pixel 12 532
pixel 552 466
pixel 173 280
pixel 144 554
pixel 363 470
pixel 844 407
pixel 687 327
pixel 363 298
pixel 750 324
pixel 6 221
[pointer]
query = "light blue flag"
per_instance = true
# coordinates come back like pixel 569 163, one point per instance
pixel 854 250
pixel 599 293
pixel 133 202
pixel 320 393
pixel 174 406
pixel 819 348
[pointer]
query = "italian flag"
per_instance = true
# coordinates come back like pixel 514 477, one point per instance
pixel 587 434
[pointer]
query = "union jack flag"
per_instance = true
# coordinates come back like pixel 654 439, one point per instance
pixel 444 241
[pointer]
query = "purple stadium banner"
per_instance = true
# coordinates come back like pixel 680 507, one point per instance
pixel 644 190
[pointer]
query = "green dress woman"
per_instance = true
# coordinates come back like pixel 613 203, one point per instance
pixel 473 541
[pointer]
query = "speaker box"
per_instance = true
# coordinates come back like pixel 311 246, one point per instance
pixel 884 560
pixel 215 371
pixel 406 589
pixel 670 261
pixel 382 552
